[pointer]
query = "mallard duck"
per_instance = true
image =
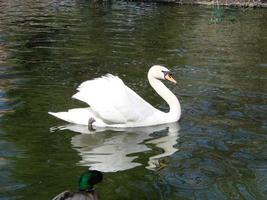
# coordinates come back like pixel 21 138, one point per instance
pixel 86 187
pixel 113 104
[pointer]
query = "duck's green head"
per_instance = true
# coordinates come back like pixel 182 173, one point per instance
pixel 89 179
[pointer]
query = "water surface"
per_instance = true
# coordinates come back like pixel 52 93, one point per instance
pixel 218 56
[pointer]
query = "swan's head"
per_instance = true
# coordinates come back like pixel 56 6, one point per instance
pixel 160 72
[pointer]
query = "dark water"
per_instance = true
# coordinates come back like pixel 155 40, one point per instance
pixel 219 57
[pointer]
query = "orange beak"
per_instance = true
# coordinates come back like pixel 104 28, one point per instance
pixel 170 78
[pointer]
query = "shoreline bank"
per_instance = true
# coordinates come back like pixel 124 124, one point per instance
pixel 233 3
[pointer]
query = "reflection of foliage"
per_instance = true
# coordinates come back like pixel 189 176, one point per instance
pixel 217 15
pixel 220 15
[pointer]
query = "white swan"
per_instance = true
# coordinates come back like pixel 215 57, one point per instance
pixel 113 104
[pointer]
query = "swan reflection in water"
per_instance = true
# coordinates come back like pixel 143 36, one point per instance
pixel 112 150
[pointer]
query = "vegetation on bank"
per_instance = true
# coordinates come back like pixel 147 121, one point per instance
pixel 240 3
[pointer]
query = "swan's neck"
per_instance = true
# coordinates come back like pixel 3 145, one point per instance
pixel 175 108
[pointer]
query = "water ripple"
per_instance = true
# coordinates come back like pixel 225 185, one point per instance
pixel 55 45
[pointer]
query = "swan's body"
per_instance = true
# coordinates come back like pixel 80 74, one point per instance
pixel 113 104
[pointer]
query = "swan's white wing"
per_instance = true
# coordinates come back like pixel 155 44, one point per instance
pixel 113 101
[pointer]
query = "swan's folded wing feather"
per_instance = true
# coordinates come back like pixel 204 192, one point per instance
pixel 113 101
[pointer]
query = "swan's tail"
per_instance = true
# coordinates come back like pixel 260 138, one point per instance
pixel 77 116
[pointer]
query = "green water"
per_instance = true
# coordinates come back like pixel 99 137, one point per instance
pixel 218 150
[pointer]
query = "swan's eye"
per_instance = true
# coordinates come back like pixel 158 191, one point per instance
pixel 166 73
